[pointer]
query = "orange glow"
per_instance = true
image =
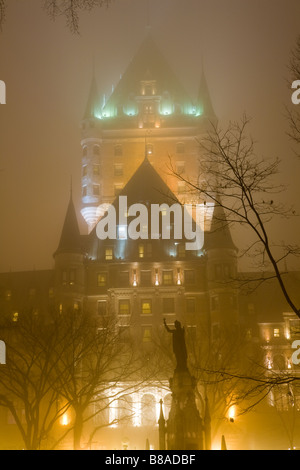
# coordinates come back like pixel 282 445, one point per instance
pixel 232 413
pixel 65 420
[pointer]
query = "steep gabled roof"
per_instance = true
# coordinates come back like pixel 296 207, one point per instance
pixel 219 236
pixel 70 240
pixel 147 187
pixel 204 103
pixel 93 104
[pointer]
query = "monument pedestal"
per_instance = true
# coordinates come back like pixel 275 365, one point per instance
pixel 184 426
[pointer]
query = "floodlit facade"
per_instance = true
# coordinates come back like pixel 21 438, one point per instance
pixel 129 141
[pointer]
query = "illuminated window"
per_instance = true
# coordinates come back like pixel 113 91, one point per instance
pixel 124 307
pixel 76 306
pixel 167 278
pixel 108 254
pixel 101 279
pixel 168 305
pixel 122 232
pixel 190 305
pixel 118 150
pixel 189 277
pixel 146 307
pixel 148 411
pixel 96 189
pixel 141 251
pixel 96 170
pixel 125 407
pixel 149 149
pixel 148 109
pixel 276 333
pixel 147 334
pixel 118 169
pixel 15 316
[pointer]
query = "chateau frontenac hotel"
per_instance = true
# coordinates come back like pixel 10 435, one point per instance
pixel 129 142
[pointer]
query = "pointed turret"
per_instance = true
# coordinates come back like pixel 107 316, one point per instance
pixel 219 236
pixel 70 240
pixel 92 109
pixel 204 103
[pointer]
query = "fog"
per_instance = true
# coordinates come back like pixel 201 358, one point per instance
pixel 244 48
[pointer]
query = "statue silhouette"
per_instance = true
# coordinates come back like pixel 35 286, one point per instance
pixel 179 346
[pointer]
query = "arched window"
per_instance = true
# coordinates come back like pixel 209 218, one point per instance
pixel 118 150
pixel 180 147
pixel 148 410
pixel 125 412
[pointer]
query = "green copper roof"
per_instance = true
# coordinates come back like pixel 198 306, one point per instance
pixel 93 104
pixel 148 64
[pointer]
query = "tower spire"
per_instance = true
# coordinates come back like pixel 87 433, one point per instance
pixel 148 24
pixel 92 106
pixel 204 103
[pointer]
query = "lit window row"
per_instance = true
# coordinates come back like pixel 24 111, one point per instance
pixel 148 278
pixel 95 150
pixel 168 306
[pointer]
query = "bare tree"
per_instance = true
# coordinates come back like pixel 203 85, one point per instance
pixel 70 9
pixel 93 368
pixel 293 114
pixel 244 186
pixel 26 387
pixel 65 364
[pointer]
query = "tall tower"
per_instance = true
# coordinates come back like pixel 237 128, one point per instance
pixel 91 141
pixel 221 275
pixel 149 108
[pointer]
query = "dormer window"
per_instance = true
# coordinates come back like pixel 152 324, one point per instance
pixel 148 87
pixel 118 150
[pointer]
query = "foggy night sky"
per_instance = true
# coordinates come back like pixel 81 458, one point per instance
pixel 245 47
